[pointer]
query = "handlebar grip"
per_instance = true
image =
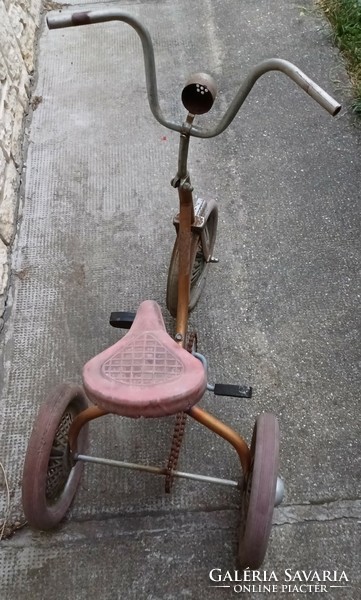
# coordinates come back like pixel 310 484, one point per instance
pixel 312 89
pixel 67 20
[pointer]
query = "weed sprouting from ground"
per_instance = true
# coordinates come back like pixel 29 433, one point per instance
pixel 345 18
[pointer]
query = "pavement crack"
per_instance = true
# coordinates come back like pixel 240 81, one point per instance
pixel 314 512
pixel 185 521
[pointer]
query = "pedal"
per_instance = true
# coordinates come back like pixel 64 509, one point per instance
pixel 122 320
pixel 236 391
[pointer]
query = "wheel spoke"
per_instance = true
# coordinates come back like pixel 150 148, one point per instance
pixel 58 467
pixel 198 266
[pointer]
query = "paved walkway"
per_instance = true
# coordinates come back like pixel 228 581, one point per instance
pixel 279 311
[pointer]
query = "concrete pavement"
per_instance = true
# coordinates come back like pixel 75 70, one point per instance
pixel 279 311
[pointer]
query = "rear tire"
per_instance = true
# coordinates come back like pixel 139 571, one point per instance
pixel 259 493
pixel 49 479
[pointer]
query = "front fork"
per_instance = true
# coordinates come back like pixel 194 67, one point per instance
pixel 185 221
pixel 189 220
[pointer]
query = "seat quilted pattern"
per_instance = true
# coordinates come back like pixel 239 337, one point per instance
pixel 143 362
pixel 146 373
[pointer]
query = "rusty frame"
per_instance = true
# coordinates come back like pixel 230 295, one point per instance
pixel 186 218
pixel 186 221
pixel 89 414
pixel 185 230
pixel 198 414
pixel 185 225
pixel 226 432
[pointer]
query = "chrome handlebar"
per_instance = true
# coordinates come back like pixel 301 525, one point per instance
pixel 274 64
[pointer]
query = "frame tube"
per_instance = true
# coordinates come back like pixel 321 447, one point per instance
pixel 155 470
pixel 90 413
pixel 226 433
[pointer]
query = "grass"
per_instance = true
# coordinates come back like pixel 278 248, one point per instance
pixel 345 18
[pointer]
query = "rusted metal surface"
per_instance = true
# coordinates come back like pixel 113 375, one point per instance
pixel 179 429
pixel 186 218
pixel 93 412
pixel 188 223
pixel 226 433
pixel 178 433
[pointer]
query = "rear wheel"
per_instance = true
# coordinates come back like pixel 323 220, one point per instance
pixel 50 480
pixel 200 245
pixel 259 492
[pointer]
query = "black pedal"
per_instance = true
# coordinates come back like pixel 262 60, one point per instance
pixel 236 391
pixel 122 320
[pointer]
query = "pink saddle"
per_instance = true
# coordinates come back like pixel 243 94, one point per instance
pixel 146 373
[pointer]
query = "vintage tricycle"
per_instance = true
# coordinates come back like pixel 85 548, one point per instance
pixel 149 373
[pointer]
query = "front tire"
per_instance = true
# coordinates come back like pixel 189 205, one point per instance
pixel 199 265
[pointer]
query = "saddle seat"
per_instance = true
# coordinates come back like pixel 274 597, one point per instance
pixel 146 373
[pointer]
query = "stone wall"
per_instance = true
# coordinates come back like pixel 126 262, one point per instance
pixel 19 21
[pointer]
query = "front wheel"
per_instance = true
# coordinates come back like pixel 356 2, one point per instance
pixel 202 245
pixel 49 479
pixel 259 492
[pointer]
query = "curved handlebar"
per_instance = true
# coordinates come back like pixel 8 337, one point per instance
pixel 100 16
pixel 273 64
